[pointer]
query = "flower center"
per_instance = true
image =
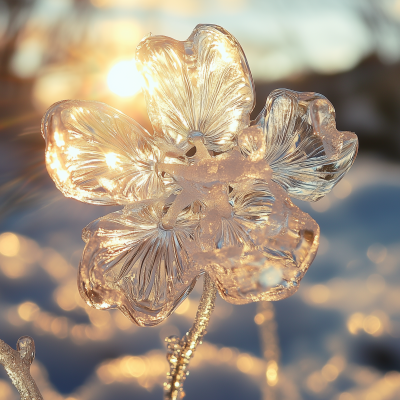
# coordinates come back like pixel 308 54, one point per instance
pixel 209 179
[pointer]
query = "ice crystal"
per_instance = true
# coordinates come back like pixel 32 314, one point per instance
pixel 207 191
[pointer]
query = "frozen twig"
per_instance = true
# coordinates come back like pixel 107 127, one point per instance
pixel 17 364
pixel 180 351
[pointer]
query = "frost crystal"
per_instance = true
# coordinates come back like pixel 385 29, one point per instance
pixel 207 192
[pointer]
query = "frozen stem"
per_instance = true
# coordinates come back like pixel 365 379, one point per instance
pixel 180 351
pixel 17 364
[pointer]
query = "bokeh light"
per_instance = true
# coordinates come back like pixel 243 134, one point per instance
pixel 9 244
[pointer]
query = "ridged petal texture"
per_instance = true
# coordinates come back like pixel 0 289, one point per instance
pixel 265 249
pixel 296 132
pixel 201 84
pixel 96 154
pixel 131 263
pixel 261 253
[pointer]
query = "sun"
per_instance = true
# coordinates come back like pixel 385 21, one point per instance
pixel 124 79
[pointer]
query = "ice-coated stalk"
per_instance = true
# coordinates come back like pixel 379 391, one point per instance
pixel 17 364
pixel 180 351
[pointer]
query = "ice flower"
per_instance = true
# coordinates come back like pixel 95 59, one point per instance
pixel 207 191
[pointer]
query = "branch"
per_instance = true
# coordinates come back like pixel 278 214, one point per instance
pixel 17 364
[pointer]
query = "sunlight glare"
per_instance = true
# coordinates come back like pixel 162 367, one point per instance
pixel 124 79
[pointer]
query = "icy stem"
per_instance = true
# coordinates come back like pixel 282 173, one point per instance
pixel 180 351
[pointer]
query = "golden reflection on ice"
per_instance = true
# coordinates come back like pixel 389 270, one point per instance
pixel 108 184
pixel 73 152
pixel 151 82
pixel 62 175
pixel 112 160
pixel 54 163
pixel 226 56
pixel 58 137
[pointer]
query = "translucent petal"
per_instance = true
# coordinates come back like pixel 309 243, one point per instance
pixel 131 263
pixel 96 154
pixel 265 249
pixel 296 133
pixel 202 84
pixel 251 207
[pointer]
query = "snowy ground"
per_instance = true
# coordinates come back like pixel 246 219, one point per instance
pixel 339 335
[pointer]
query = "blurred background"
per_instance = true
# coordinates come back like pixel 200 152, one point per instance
pixel 338 337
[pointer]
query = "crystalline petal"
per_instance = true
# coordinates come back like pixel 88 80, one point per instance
pixel 250 210
pixel 98 155
pixel 131 263
pixel 306 152
pixel 201 84
pixel 266 248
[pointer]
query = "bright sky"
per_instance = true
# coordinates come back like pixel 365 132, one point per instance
pixel 280 38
